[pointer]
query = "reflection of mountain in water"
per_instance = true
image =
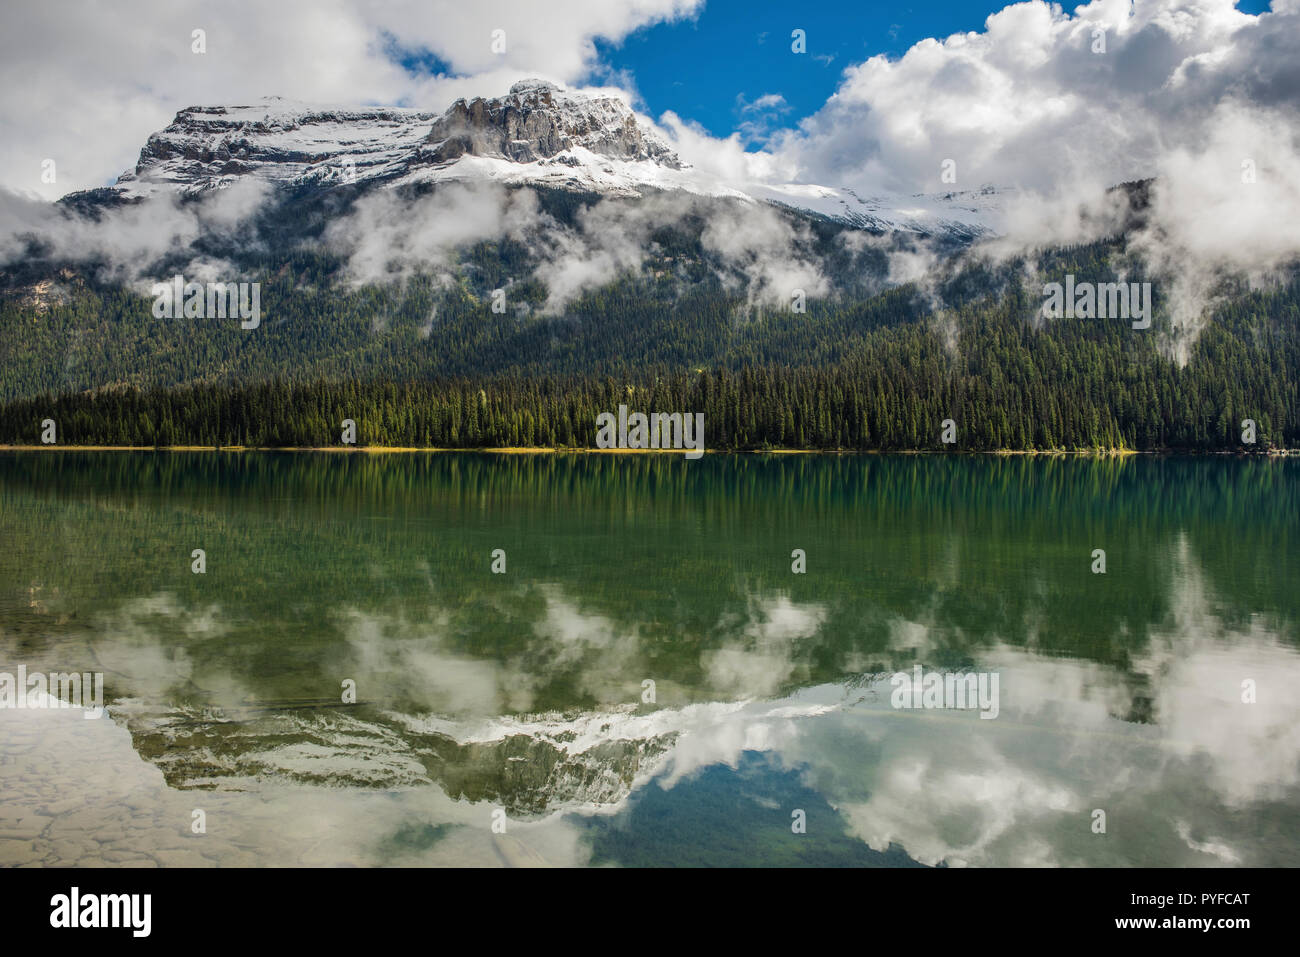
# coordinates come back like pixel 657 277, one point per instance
pixel 527 764
pixel 528 772
pixel 1119 690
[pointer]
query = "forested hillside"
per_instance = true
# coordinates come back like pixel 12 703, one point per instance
pixel 421 362
pixel 889 385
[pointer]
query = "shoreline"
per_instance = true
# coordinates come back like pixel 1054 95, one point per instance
pixel 561 450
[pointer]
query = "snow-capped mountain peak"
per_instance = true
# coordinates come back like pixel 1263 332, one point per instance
pixel 538 133
pixel 538 120
pixel 277 140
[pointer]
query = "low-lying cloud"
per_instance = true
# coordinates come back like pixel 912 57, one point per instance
pixel 753 247
pixel 127 241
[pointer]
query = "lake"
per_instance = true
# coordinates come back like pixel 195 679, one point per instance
pixel 626 660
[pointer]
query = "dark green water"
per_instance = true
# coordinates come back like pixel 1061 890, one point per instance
pixel 519 699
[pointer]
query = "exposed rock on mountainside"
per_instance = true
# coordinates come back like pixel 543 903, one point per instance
pixel 537 120
pixel 536 134
pixel 210 147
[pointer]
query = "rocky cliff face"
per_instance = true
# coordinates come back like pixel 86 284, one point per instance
pixel 537 120
pixel 276 140
pixel 207 147
pixel 537 134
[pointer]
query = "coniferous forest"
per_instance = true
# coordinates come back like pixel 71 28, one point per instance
pixel 873 366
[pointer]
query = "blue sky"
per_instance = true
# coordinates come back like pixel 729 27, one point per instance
pixel 714 69
pixel 709 69
pixel 63 97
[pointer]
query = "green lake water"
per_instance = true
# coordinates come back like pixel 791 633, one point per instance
pixel 648 682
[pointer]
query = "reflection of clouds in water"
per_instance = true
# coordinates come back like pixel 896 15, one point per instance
pixel 1253 749
pixel 610 659
pixel 956 805
pixel 1019 791
pixel 416 662
pixel 444 716
pixel 762 661
pixel 147 649
pixel 944 786
pixel 390 658
pixel 1197 666
pixel 597 656
pixel 440 716
pixel 756 726
pixel 85 797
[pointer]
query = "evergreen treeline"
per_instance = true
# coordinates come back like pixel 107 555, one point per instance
pixel 1006 387
pixel 417 364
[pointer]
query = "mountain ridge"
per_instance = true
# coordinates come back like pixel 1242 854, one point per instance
pixel 538 133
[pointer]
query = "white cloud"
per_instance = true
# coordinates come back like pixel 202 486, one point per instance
pixel 768 101
pixel 1186 90
pixel 85 83
pixel 753 248
pixel 129 240
pixel 387 237
pixel 1028 103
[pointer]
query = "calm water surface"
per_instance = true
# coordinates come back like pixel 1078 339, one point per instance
pixel 523 699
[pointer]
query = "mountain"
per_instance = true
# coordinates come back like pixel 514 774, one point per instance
pixel 538 120
pixel 284 143
pixel 537 134
pixel 794 315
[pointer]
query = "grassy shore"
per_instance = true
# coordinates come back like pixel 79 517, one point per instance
pixel 560 450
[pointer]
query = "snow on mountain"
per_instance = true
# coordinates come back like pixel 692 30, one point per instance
pixel 538 120
pixel 280 141
pixel 537 134
pixel 966 214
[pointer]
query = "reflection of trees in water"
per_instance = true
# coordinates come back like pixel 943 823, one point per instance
pixel 669 561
